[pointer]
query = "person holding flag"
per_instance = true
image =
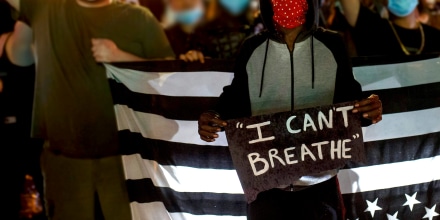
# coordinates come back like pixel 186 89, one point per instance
pixel 292 65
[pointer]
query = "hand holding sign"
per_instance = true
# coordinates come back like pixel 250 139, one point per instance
pixel 277 149
pixel 371 108
pixel 209 124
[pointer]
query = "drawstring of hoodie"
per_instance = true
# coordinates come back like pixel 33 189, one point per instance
pixel 312 49
pixel 313 62
pixel 264 67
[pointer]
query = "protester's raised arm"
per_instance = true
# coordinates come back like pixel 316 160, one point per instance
pixel 351 10
pixel 14 3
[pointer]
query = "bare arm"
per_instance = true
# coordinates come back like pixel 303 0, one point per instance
pixel 15 4
pixel 351 10
pixel 19 45
pixel 105 50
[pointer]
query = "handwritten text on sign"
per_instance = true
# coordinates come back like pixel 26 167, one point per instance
pixel 274 150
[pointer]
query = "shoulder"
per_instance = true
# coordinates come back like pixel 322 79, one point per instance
pixel 133 11
pixel 328 37
pixel 334 41
pixel 431 30
pixel 249 45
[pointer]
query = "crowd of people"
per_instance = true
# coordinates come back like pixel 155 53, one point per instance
pixel 53 84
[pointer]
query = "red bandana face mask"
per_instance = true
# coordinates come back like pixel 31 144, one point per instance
pixel 289 13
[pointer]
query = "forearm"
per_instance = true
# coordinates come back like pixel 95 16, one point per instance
pixel 19 45
pixel 123 56
pixel 14 3
pixel 351 10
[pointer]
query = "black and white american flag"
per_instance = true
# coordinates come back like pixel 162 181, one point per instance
pixel 172 174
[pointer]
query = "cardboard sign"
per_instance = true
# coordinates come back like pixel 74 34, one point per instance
pixel 274 150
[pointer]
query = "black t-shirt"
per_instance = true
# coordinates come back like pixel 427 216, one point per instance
pixel 17 96
pixel 180 41
pixel 374 36
pixel 222 37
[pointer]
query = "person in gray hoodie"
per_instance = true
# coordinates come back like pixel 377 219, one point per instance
pixel 292 65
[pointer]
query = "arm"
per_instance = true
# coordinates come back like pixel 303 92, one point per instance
pixel 351 10
pixel 15 4
pixel 347 88
pixel 105 50
pixel 19 45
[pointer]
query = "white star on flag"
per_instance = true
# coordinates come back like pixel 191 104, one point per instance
pixel 411 200
pixel 430 213
pixel 392 217
pixel 372 207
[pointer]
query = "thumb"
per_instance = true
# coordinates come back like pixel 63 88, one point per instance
pixel 95 40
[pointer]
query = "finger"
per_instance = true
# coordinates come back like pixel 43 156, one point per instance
pixel 371 111
pixel 95 41
pixel 207 139
pixel 375 121
pixel 192 56
pixel 200 56
pixel 367 105
pixel 373 114
pixel 99 59
pixel 367 101
pixel 208 131
pixel 183 57
pixel 206 135
pixel 216 122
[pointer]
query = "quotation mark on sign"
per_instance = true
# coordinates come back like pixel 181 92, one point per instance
pixel 239 125
pixel 356 136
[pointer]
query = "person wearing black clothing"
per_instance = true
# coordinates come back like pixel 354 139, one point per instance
pixel 17 74
pixel 401 34
pixel 293 65
pixel 222 35
pixel 186 15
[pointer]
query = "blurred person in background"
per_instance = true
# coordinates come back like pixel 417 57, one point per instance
pixel 331 17
pixel 73 108
pixel 430 12
pixel 17 75
pixel 157 7
pixel 401 34
pixel 183 17
pixel 227 24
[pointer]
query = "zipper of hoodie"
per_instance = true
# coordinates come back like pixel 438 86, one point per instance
pixel 292 83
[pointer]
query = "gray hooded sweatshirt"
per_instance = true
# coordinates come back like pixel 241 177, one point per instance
pixel 269 78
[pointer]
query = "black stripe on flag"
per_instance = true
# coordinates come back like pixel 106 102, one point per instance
pixel 177 108
pixel 411 98
pixel 176 154
pixel 400 149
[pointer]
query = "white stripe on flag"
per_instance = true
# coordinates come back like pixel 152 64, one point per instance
pixel 149 211
pixel 182 179
pixel 397 75
pixel 160 128
pixel 392 126
pixel 156 210
pixel 406 124
pixel 187 216
pixel 387 176
pixel 196 84
pixel 362 179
